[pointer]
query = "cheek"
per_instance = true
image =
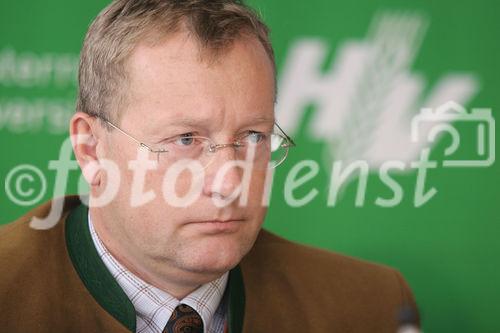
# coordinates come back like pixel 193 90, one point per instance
pixel 152 225
pixel 259 188
pixel 184 183
pixel 140 186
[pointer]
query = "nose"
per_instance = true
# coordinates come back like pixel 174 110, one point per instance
pixel 224 174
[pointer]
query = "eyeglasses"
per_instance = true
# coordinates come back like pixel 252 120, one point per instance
pixel 267 149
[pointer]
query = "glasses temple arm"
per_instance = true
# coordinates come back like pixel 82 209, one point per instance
pixel 292 143
pixel 142 144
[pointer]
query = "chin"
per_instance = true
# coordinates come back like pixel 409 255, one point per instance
pixel 216 256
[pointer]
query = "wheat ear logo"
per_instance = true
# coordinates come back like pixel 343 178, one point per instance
pixel 365 101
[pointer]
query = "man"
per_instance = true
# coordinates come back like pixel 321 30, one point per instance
pixel 175 134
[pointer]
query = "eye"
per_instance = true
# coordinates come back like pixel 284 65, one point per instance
pixel 254 137
pixel 185 139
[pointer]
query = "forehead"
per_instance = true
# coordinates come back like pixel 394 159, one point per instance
pixel 179 81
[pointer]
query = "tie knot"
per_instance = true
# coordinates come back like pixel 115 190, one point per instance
pixel 184 319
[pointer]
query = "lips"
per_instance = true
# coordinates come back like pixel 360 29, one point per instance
pixel 217 226
pixel 218 221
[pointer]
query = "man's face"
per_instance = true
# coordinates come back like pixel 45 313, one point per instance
pixel 172 92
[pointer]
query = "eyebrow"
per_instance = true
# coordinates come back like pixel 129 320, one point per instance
pixel 190 122
pixel 260 120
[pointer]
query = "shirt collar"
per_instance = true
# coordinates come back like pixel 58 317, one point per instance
pixel 154 306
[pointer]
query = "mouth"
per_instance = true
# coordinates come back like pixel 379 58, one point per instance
pixel 217 226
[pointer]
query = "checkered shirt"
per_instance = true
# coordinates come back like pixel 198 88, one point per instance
pixel 154 307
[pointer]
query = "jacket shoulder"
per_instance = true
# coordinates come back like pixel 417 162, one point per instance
pixel 24 249
pixel 349 289
pixel 286 255
pixel 23 234
pixel 40 290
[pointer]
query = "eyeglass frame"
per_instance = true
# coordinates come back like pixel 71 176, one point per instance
pixel 213 147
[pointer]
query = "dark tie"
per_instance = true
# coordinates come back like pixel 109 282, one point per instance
pixel 184 319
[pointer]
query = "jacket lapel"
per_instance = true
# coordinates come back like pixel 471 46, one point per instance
pixel 92 270
pixel 236 301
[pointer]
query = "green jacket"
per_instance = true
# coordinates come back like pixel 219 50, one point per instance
pixel 53 281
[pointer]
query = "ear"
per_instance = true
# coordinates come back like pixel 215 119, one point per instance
pixel 85 132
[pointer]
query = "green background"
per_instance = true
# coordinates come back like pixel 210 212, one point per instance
pixel 447 249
